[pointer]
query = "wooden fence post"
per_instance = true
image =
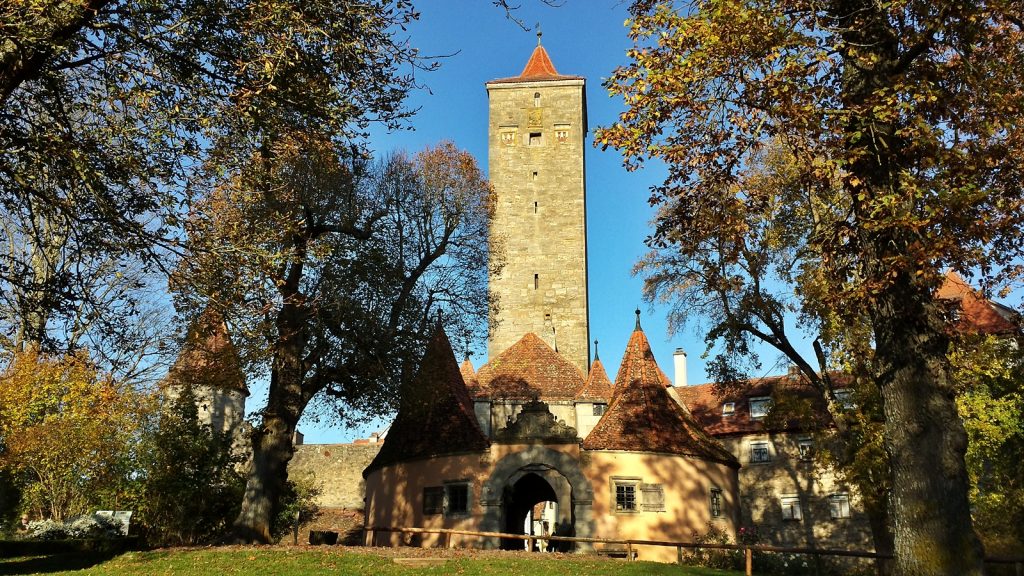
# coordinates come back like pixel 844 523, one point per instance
pixel 750 561
pixel 679 554
pixel 629 551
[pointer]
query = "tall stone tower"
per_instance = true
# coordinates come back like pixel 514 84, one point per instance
pixel 537 124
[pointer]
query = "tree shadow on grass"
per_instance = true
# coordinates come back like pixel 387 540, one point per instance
pixel 53 562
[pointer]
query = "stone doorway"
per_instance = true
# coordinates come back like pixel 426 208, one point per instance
pixel 524 505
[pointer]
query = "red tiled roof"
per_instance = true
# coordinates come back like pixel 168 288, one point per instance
pixel 642 417
pixel 530 369
pixel 435 414
pixel 977 315
pixel 469 377
pixel 539 68
pixel 705 405
pixel 208 357
pixel 598 386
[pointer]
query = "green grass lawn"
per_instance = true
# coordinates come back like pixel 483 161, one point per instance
pixel 293 561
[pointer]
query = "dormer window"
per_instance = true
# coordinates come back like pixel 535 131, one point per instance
pixel 759 407
pixel 728 408
pixel 845 399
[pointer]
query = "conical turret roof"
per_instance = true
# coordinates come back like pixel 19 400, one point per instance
pixel 539 68
pixel 598 385
pixel 208 358
pixel 435 414
pixel 643 417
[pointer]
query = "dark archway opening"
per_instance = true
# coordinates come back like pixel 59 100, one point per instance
pixel 522 513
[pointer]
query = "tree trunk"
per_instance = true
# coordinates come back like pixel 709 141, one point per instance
pixel 268 473
pixel 877 512
pixel 926 441
pixel 272 447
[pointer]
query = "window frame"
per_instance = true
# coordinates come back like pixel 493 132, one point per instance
pixel 449 488
pixel 766 401
pixel 600 408
pixel 728 409
pixel 843 499
pixel 715 502
pixel 631 484
pixel 805 449
pixel 791 502
pixel 754 446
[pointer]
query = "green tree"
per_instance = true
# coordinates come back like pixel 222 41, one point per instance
pixel 108 106
pixel 989 372
pixel 328 267
pixel 902 120
pixel 70 433
pixel 192 485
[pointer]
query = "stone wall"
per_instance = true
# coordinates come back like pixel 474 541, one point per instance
pixel 536 133
pixel 763 485
pixel 337 469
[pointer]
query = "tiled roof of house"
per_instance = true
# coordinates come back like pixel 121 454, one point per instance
pixel 539 68
pixel 598 386
pixel 208 357
pixel 642 417
pixel 435 414
pixel 977 315
pixel 707 406
pixel 530 369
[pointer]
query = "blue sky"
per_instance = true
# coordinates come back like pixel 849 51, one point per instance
pixel 582 37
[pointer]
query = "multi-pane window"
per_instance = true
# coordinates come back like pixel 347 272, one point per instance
pixel 791 508
pixel 806 448
pixel 456 498
pixel 653 497
pixel 625 495
pixel 760 452
pixel 433 500
pixel 599 409
pixel 845 399
pixel 716 502
pixel 759 406
pixel 728 408
pixel 839 506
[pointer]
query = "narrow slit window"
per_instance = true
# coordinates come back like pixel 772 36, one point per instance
pixel 536 99
pixel 536 281
pixel 534 207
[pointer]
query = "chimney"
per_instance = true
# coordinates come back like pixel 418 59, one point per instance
pixel 679 358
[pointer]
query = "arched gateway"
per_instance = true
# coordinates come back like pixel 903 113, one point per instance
pixel 532 475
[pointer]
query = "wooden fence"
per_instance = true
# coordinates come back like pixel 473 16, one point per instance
pixel 628 546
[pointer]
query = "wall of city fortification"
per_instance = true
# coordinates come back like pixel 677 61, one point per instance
pixel 536 166
pixel 337 469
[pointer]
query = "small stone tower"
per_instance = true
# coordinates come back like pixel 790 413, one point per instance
pixel 537 125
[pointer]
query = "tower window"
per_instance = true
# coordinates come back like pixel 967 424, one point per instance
pixel 536 139
pixel 534 176
pixel 534 207
pixel 536 99
pixel 536 281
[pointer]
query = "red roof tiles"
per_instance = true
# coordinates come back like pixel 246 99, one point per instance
pixel 642 417
pixel 539 68
pixel 530 369
pixel 208 357
pixel 598 386
pixel 435 414
pixel 977 315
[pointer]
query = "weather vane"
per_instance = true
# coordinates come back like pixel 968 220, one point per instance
pixel 539 33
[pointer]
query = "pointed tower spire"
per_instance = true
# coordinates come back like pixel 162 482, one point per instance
pixel 596 357
pixel 539 33
pixel 638 328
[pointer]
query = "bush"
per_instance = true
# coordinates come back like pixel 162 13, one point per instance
pixel 299 498
pixel 79 528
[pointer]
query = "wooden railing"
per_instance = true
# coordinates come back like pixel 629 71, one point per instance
pixel 629 544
